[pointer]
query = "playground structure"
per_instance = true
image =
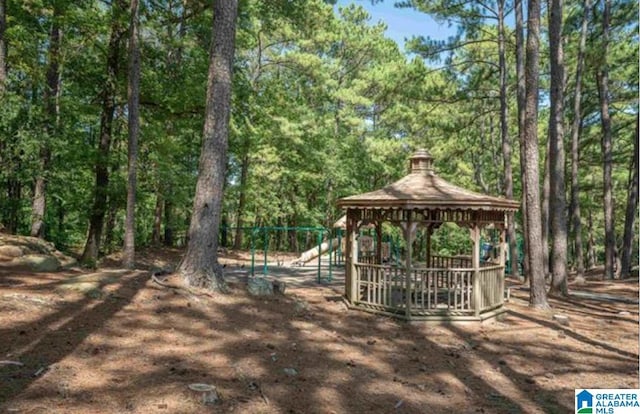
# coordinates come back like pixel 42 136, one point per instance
pixel 260 241
pixel 441 287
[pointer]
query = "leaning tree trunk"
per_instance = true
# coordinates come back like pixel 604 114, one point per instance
pixel 538 294
pixel 134 127
pixel 557 200
pixel 51 93
pixel 200 266
pixel 632 209
pixel 521 103
pixel 576 131
pixel 96 221
pixel 602 78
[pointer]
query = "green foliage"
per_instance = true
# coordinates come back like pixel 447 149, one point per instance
pixel 324 106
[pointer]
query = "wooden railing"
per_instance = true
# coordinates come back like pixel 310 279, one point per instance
pixel 491 282
pixel 450 262
pixel 431 290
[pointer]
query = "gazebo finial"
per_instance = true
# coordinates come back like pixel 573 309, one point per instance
pixel 421 162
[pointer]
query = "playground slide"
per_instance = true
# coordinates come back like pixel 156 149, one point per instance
pixel 313 252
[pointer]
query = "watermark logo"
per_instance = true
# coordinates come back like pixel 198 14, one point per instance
pixel 584 402
pixel 607 401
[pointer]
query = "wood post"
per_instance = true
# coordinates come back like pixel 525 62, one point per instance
pixel 475 263
pixel 503 246
pixel 503 260
pixel 378 242
pixel 427 258
pixel 409 229
pixel 352 248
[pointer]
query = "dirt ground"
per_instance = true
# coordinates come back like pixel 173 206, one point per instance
pixel 114 341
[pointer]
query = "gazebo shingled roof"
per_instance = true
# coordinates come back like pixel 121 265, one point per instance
pixel 422 188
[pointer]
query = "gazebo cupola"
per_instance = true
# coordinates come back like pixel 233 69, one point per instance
pixel 421 162
pixel 437 287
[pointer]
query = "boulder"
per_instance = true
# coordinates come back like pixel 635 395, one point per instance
pixel 11 251
pixel 39 262
pixel 561 319
pixel 279 287
pixel 259 286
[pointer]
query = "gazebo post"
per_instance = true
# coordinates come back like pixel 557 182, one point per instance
pixel 503 246
pixel 407 237
pixel 475 263
pixel 427 256
pixel 503 260
pixel 351 255
pixel 378 242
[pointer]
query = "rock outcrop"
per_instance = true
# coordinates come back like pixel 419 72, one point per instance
pixel 32 253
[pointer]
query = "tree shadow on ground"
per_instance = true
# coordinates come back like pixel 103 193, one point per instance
pixel 303 352
pixel 42 342
pixel 632 356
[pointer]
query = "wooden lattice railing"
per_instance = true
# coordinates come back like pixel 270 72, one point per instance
pixel 431 290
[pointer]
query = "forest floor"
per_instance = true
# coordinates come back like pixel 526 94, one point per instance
pixel 114 341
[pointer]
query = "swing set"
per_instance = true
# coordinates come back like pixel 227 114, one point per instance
pixel 263 233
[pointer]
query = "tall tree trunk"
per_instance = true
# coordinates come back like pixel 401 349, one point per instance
pixel 118 30
pixel 495 153
pixel 5 158
pixel 607 149
pixel 244 172
pixel 544 211
pixel 632 209
pixel 200 265
pixel 133 92
pixel 110 224
pixel 576 131
pixel 538 294
pixel 591 245
pixel 557 200
pixel 14 194
pixel 10 160
pixel 278 246
pixel 60 216
pixel 504 131
pixel 224 231
pixel 293 238
pixel 173 61
pixel 51 92
pixel 168 223
pixel 157 219
pixel 521 104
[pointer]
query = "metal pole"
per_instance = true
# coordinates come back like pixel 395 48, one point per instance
pixel 266 247
pixel 253 250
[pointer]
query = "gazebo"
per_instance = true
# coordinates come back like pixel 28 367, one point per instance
pixel 438 287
